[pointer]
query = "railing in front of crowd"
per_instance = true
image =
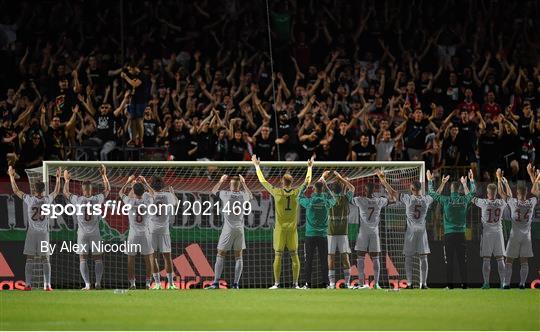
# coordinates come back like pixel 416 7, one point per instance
pixel 122 152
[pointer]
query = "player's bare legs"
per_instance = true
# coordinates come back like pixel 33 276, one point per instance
pixel 346 268
pixel 85 272
pixel 345 261
pixel 98 269
pixel 238 267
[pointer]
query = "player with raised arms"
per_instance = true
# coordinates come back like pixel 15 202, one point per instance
pixel 454 207
pixel 317 207
pixel 368 240
pixel 232 234
pixel 88 235
pixel 139 239
pixel 286 219
pixel 521 212
pixel 492 240
pixel 338 241
pixel 415 239
pixel 159 231
pixel 38 228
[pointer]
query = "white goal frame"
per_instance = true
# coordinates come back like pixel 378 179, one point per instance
pixel 61 163
pixel 364 169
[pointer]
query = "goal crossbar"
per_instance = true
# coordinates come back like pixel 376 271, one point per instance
pixel 171 164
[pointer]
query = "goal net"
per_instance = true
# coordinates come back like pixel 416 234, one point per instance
pixel 195 234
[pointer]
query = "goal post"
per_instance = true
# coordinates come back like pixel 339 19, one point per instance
pixel 194 237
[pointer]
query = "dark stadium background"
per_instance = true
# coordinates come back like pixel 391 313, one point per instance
pixel 369 65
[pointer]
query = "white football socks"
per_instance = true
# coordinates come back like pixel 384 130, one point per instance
pixel 360 264
pixel 508 274
pixel 83 267
pixel 98 271
pixel 423 270
pixel 523 273
pixel 332 277
pixel 347 273
pixel 409 269
pixel 218 268
pixel 238 267
pixel 486 269
pixel 376 269
pixel 502 270
pixel 28 271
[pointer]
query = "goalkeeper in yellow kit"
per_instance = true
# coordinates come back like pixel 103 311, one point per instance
pixel 286 216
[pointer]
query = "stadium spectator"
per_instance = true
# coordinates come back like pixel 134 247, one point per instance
pixel 210 89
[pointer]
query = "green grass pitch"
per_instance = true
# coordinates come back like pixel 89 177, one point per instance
pixel 261 309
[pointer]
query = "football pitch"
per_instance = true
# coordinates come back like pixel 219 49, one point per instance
pixel 287 309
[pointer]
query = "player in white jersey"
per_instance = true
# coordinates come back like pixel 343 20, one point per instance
pixel 521 212
pixel 38 228
pixel 159 230
pixel 368 240
pixel 139 239
pixel 232 234
pixel 415 241
pixel 492 241
pixel 88 236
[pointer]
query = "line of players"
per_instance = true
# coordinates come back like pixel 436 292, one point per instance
pixel 519 242
pixel 331 207
pixel 148 233
pixel 152 232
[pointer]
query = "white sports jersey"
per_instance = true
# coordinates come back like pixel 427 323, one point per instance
pixel 159 223
pixel 522 213
pixel 370 211
pixel 138 223
pixel 416 208
pixel 491 213
pixel 231 216
pixel 88 223
pixel 37 221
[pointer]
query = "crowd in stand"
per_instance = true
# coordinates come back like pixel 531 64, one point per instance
pixel 454 82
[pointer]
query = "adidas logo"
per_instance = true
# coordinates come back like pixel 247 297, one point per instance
pixel 193 269
pixel 5 269
pixel 7 272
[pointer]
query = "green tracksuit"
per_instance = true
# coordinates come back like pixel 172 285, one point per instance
pixel 454 207
pixel 317 209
